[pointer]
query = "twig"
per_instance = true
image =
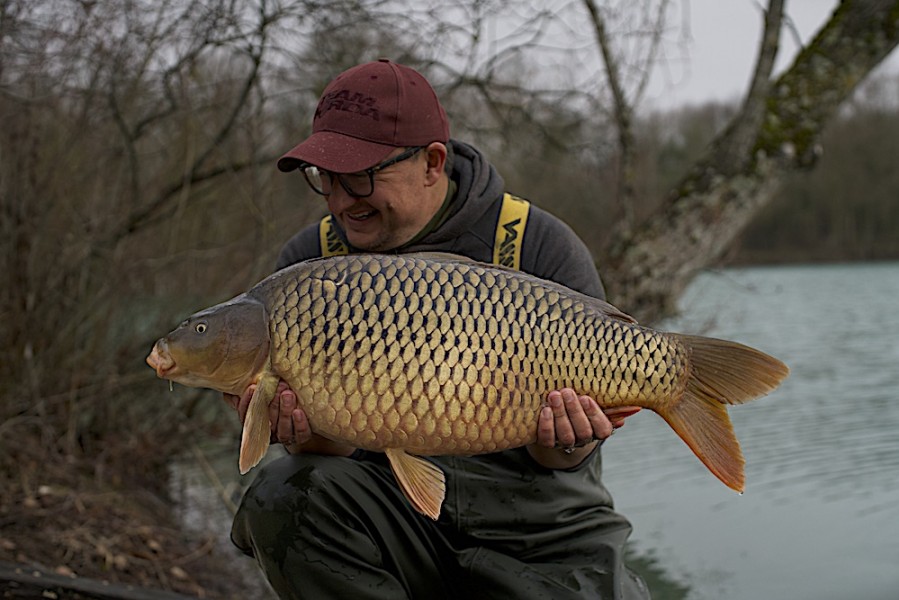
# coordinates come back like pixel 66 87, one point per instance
pixel 214 479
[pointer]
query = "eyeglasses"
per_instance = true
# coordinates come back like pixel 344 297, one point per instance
pixel 359 185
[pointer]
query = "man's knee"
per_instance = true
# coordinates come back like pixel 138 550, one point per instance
pixel 282 483
pixel 289 494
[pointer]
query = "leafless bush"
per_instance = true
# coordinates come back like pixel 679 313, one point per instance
pixel 138 141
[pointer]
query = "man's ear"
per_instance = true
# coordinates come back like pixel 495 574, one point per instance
pixel 435 159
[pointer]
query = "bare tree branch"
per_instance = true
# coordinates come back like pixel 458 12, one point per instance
pixel 655 43
pixel 623 117
pixel 732 148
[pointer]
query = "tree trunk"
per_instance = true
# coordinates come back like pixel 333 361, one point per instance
pixel 646 270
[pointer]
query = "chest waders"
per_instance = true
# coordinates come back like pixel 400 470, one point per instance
pixel 513 218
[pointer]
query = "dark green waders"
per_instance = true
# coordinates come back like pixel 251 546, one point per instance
pixel 327 527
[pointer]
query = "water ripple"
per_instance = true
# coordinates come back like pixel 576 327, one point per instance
pixel 822 451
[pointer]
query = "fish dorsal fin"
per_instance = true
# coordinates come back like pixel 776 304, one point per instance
pixel 609 310
pixel 422 481
pixel 256 435
pixel 443 256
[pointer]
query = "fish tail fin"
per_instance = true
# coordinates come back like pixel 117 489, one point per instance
pixel 256 435
pixel 721 373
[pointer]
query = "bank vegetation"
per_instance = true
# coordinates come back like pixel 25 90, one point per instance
pixel 137 184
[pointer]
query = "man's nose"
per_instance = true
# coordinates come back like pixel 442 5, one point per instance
pixel 339 199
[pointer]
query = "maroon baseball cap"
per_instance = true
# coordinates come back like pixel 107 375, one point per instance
pixel 366 113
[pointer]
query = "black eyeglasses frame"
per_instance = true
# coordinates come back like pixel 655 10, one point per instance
pixel 341 177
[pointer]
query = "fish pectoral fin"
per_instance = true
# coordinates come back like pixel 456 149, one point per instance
pixel 423 483
pixel 256 435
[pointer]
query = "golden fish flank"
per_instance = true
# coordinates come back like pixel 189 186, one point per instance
pixel 392 372
pixel 428 355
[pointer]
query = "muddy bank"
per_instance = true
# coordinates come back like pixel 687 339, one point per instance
pixel 59 517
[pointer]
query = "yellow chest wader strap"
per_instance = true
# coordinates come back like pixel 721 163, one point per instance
pixel 330 242
pixel 513 218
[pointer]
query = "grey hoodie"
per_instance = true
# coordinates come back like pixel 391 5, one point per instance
pixel 550 249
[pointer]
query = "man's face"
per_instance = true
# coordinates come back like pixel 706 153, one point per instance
pixel 402 203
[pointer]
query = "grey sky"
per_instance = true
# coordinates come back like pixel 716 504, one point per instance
pixel 716 61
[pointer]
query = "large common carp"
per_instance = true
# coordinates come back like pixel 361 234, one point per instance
pixel 425 354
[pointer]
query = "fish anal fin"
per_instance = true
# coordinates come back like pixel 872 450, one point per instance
pixel 423 483
pixel 256 436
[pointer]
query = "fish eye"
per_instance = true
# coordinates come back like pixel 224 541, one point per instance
pixel 200 327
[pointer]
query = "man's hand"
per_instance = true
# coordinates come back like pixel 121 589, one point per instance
pixel 573 422
pixel 289 424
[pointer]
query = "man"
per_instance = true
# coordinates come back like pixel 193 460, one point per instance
pixel 328 521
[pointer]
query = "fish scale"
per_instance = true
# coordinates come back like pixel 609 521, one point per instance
pixel 382 377
pixel 424 354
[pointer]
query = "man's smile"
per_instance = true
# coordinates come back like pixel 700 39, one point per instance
pixel 360 215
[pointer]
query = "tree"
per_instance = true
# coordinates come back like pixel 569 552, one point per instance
pixel 845 208
pixel 647 262
pixel 776 132
pixel 137 150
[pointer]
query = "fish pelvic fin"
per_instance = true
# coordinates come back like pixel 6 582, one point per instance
pixel 423 483
pixel 721 373
pixel 256 436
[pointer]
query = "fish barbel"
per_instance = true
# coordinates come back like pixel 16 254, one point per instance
pixel 426 354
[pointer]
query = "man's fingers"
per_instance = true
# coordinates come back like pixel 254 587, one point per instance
pixel 565 435
pixel 284 425
pixel 301 432
pixel 301 427
pixel 580 423
pixel 600 425
pixel 570 420
pixel 276 413
pixel 244 403
pixel 546 428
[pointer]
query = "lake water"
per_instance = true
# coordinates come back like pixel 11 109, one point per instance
pixel 820 515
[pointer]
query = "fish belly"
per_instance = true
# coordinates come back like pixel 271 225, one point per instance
pixel 452 357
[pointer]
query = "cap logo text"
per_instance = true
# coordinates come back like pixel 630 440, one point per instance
pixel 347 101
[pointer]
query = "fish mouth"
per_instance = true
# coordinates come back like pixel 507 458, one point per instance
pixel 160 360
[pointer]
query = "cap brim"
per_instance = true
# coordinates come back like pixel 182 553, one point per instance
pixel 335 152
